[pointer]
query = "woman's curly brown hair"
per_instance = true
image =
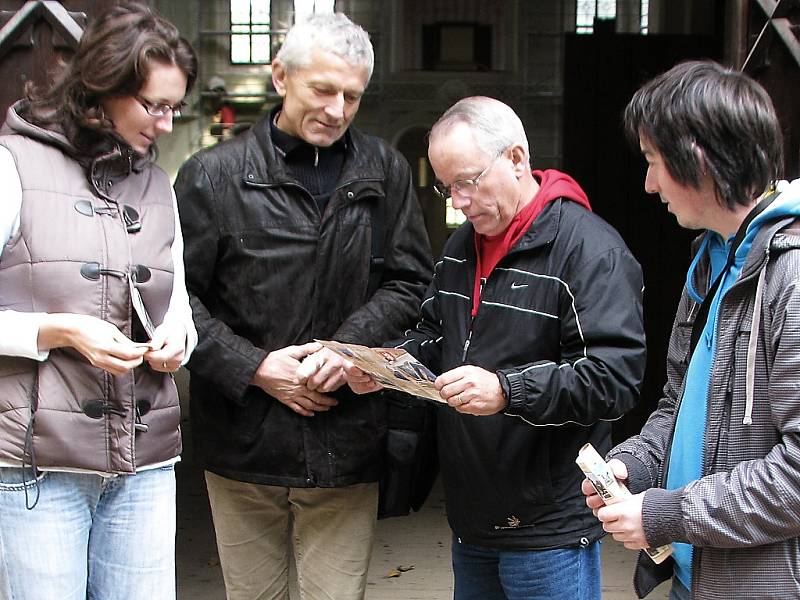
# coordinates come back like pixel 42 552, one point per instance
pixel 113 59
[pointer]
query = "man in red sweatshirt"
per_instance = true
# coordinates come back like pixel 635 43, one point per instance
pixel 534 321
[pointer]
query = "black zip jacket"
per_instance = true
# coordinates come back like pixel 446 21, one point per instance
pixel 560 322
pixel 266 270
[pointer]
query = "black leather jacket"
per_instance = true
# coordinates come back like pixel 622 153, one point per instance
pixel 266 270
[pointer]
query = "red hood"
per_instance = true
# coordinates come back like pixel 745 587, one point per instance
pixel 555 184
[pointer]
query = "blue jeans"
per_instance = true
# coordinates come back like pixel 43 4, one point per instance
pixel 88 537
pixel 492 574
pixel 679 591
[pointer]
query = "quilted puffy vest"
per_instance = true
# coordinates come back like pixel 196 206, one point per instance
pixel 80 244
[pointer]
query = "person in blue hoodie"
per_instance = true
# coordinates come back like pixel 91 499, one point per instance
pixel 716 469
pixel 533 322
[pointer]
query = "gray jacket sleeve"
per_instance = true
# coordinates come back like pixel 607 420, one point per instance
pixel 755 501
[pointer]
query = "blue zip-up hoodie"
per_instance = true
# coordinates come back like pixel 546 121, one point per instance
pixel 686 458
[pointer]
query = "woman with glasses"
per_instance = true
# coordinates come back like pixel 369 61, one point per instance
pixel 94 318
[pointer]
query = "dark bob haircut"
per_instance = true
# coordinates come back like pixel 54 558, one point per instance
pixel 113 59
pixel 723 112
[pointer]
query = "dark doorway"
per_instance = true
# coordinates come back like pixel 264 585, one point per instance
pixel 601 74
pixel 413 144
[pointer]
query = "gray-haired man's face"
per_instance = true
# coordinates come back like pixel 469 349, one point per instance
pixel 321 99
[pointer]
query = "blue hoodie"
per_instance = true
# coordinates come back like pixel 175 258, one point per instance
pixel 686 457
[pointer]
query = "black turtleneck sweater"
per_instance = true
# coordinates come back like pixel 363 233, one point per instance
pixel 316 169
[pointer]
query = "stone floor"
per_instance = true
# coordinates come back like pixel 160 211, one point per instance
pixel 420 544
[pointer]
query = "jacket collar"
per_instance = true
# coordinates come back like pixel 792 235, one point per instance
pixel 109 161
pixel 263 164
pixel 542 231
pixel 772 236
pixel 294 148
pixel 544 228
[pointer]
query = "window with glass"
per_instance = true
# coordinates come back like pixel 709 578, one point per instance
pixel 644 17
pixel 586 11
pixel 305 8
pixel 250 32
pixel 251 27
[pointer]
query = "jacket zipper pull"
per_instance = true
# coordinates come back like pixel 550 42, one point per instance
pixel 469 335
pixel 466 346
pixel 316 156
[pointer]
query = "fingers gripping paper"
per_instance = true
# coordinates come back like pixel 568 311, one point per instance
pixel 611 490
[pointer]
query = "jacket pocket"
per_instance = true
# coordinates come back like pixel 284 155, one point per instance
pixel 236 423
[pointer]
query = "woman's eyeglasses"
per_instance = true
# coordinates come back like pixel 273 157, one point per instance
pixel 159 110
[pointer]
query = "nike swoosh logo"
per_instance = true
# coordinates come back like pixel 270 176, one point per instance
pixel 518 286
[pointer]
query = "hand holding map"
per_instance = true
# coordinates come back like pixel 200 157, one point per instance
pixel 393 368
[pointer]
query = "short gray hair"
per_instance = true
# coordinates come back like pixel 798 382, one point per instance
pixel 494 125
pixel 330 33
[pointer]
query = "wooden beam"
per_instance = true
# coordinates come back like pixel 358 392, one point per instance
pixel 61 21
pixel 23 19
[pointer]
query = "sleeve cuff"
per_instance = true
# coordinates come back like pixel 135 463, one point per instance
pixel 661 517
pixel 20 335
pixel 513 390
pixel 638 475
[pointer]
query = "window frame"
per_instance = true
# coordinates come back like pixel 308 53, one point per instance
pixel 250 30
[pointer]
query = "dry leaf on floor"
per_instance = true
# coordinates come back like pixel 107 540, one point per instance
pixel 398 571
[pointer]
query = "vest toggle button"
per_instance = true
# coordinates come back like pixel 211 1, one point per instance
pixel 95 409
pixel 93 270
pixel 142 408
pixel 140 274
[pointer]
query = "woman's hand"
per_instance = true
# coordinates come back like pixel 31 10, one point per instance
pixel 99 341
pixel 167 348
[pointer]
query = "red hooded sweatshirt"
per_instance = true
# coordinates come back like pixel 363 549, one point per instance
pixel 490 249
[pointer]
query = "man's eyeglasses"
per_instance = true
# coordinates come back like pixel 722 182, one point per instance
pixel 465 188
pixel 159 110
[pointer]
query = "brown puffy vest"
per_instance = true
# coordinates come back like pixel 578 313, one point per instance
pixel 79 243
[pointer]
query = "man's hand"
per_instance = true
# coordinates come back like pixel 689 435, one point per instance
pixel 360 382
pixel 472 390
pixel 277 375
pixel 327 374
pixel 593 499
pixel 623 520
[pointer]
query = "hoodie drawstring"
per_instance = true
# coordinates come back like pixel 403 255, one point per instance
pixel 750 370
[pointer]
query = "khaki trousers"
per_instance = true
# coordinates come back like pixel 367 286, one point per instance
pixel 330 530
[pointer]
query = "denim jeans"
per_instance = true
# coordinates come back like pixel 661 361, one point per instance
pixel 679 591
pixel 492 574
pixel 88 537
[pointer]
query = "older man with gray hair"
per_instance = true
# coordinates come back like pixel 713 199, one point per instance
pixel 301 228
pixel 534 320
